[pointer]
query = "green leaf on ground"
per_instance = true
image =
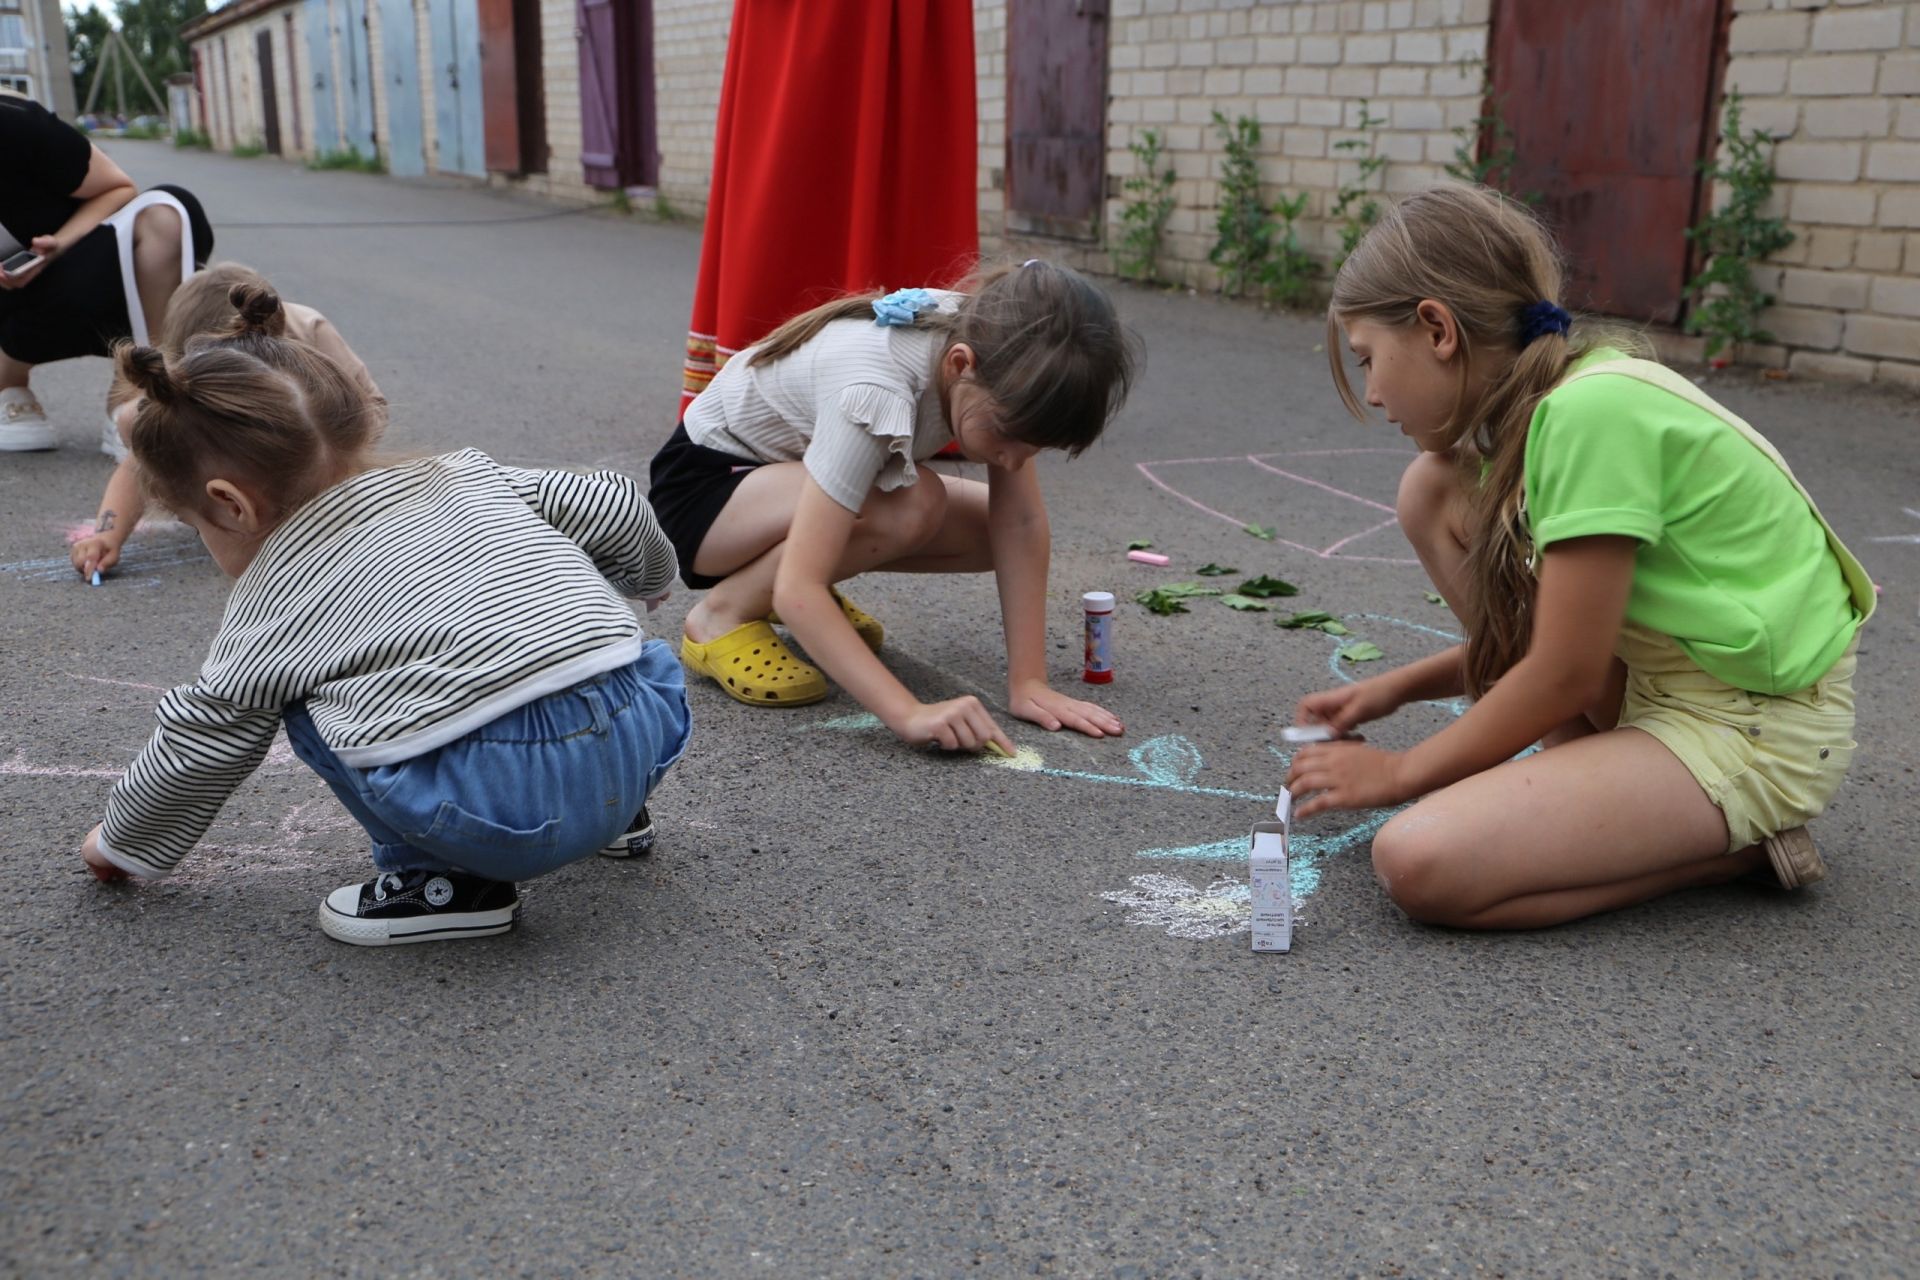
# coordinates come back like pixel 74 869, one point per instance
pixel 1245 604
pixel 1434 597
pixel 1313 619
pixel 1266 587
pixel 1365 651
pixel 1212 570
pixel 1167 598
pixel 1139 544
pixel 1260 531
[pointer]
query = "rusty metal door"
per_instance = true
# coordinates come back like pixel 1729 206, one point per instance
pixel 1056 116
pixel 1610 103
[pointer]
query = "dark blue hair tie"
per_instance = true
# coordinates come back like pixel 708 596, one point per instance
pixel 1541 319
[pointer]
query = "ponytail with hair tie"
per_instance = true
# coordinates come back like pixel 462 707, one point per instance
pixel 1542 318
pixel 146 369
pixel 257 310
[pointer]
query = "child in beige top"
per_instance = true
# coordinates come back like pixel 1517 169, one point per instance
pixel 199 307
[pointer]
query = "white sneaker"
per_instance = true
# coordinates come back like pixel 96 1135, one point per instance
pixel 23 423
pixel 111 442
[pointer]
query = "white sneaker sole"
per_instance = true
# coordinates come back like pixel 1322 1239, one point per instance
pixel 388 933
pixel 32 437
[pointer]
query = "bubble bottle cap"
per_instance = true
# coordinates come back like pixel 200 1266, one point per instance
pixel 1098 601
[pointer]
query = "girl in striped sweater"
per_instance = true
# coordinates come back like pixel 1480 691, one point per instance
pixel 488 712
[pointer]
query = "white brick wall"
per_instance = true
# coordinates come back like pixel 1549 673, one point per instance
pixel 1172 62
pixel 1838 85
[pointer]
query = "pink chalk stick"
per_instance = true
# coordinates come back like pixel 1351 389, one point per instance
pixel 1149 557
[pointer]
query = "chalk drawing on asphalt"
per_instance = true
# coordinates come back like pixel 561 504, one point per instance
pixel 1173 762
pixel 1361 517
pixel 1903 537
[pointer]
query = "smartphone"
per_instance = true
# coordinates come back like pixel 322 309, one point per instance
pixel 19 262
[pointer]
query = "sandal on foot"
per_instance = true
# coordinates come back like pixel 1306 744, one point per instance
pixel 1794 858
pixel 865 625
pixel 753 666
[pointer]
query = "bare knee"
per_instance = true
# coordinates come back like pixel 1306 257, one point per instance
pixel 906 519
pixel 1419 869
pixel 157 230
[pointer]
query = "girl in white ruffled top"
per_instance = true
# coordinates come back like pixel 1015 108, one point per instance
pixel 797 468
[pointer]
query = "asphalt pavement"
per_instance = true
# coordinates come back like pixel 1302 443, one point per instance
pixel 868 1010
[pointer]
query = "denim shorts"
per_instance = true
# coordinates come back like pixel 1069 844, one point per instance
pixel 545 784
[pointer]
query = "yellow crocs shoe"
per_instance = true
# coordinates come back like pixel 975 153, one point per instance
pixel 754 666
pixel 865 625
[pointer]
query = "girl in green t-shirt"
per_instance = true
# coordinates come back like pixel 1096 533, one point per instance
pixel 1647 592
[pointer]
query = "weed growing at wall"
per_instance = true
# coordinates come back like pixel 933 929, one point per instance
pixel 1149 205
pixel 1255 254
pixel 1735 236
pixel 1485 151
pixel 1355 205
pixel 1244 228
pixel 347 159
pixel 193 138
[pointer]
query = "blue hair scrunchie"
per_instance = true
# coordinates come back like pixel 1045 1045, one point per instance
pixel 898 308
pixel 1541 319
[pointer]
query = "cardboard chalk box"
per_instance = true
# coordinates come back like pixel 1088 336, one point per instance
pixel 1271 880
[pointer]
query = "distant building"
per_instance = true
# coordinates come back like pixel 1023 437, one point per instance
pixel 33 54
pixel 1603 111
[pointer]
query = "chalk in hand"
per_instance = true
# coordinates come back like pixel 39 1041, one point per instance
pixel 995 749
pixel 1149 557
pixel 96 577
pixel 1300 734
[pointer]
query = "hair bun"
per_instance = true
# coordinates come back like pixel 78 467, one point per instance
pixel 146 368
pixel 258 309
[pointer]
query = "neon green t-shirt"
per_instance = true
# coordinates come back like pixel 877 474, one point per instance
pixel 1735 563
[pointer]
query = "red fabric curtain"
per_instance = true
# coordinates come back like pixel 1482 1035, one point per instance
pixel 846 158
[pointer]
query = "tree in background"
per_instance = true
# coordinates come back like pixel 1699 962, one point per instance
pixel 152 31
pixel 86 33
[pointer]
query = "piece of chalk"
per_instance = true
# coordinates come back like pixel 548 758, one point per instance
pixel 96 577
pixel 1303 733
pixel 995 749
pixel 1149 557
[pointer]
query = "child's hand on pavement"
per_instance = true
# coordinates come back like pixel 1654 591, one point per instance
pixel 99 551
pixel 96 861
pixel 958 724
pixel 1051 710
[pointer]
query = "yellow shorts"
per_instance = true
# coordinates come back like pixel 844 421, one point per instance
pixel 1770 762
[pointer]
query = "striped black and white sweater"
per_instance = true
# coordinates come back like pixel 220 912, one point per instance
pixel 407 606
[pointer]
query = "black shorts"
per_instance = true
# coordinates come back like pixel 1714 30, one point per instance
pixel 690 485
pixel 78 305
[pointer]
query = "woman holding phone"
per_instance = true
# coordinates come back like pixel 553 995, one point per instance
pixel 86 259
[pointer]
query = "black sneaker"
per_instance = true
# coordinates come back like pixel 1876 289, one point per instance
pixel 419 906
pixel 638 840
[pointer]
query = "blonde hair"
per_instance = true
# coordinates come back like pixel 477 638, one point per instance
pixel 1048 348
pixel 1488 259
pixel 202 304
pixel 246 403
